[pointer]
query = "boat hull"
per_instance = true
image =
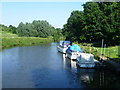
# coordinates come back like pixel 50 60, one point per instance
pixel 86 61
pixel 61 49
pixel 86 65
pixel 72 55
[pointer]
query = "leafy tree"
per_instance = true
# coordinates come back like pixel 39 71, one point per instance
pixel 57 34
pixel 37 29
pixel 12 29
pixel 99 20
pixel 21 29
pixel 73 29
pixel 93 17
pixel 3 28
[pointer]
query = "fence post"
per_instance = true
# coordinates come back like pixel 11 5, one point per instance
pixel 102 50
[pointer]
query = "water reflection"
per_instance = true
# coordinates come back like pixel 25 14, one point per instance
pixel 94 78
pixel 42 66
pixel 85 75
pixel 91 78
pixel 73 66
pixel 66 61
pixel 64 57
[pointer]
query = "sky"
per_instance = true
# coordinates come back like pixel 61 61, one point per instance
pixel 56 13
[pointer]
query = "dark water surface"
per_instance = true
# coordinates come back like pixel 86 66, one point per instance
pixel 43 67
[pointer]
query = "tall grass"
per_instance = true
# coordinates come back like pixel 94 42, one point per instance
pixel 23 41
pixel 7 34
pixel 111 52
pixel 12 40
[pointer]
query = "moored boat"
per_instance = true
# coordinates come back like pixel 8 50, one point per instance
pixel 63 46
pixel 73 51
pixel 72 55
pixel 85 60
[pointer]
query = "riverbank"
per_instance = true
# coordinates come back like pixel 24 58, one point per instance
pixel 109 56
pixel 12 40
pixel 111 52
pixel 23 41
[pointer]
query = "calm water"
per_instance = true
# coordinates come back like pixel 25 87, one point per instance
pixel 43 67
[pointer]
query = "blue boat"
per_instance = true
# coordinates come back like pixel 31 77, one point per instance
pixel 73 51
pixel 63 46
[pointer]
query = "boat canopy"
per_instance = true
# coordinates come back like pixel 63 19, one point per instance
pixel 86 58
pixel 64 43
pixel 60 43
pixel 74 47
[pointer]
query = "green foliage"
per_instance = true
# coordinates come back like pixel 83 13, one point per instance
pixel 111 52
pixel 99 20
pixel 7 34
pixel 57 34
pixel 36 29
pixel 11 40
pixel 39 29
pixel 72 29
pixel 11 28
pixel 23 41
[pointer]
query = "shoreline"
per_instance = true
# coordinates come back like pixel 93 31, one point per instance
pixel 7 42
pixel 109 63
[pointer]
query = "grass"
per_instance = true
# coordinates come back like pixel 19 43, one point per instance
pixel 7 34
pixel 12 40
pixel 111 52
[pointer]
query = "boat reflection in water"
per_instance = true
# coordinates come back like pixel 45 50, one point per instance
pixel 69 63
pixel 64 59
pixel 90 78
pixel 85 75
pixel 97 78
pixel 73 66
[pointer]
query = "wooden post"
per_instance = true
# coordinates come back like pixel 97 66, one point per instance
pixel 101 49
pixel 102 46
pixel 104 49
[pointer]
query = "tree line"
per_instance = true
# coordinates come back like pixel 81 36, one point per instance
pixel 98 20
pixel 38 28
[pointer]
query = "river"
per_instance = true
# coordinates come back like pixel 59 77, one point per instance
pixel 42 66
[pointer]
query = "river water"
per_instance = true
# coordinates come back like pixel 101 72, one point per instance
pixel 43 67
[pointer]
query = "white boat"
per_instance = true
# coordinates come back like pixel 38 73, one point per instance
pixel 62 49
pixel 85 60
pixel 73 51
pixel 63 46
pixel 72 54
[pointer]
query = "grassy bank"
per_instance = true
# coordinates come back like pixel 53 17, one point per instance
pixel 111 52
pixel 23 41
pixel 12 40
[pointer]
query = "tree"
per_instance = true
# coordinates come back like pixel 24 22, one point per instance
pixel 12 29
pixel 99 20
pixel 93 17
pixel 21 29
pixel 36 29
pixel 73 29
